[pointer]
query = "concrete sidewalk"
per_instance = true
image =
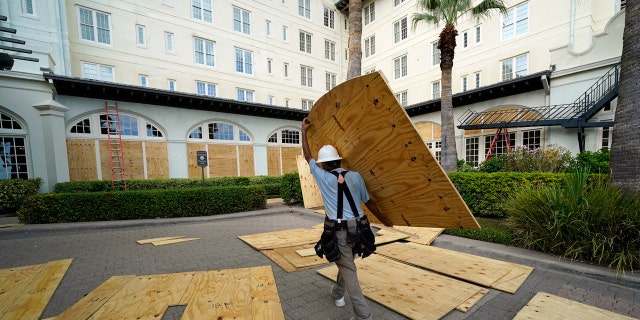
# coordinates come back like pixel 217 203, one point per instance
pixel 104 249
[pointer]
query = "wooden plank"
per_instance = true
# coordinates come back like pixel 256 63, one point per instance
pixel 310 193
pixel 36 294
pixel 172 241
pixel 306 252
pixel 419 235
pixel 219 294
pixel 223 160
pixel 13 282
pixel 289 155
pixel 278 259
pixel 146 241
pixel 465 306
pixel 298 261
pixel 94 300
pixel 484 271
pixel 390 237
pixel 364 121
pixel 410 291
pixel 133 161
pixel 280 239
pixel 192 150
pixel 145 297
pixel 264 295
pixel 550 307
pixel 157 161
pixel 83 166
pixel 273 161
pixel 246 160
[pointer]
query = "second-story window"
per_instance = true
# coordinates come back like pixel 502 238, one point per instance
pixel 206 89
pixel 400 30
pixel 370 46
pixel 168 41
pixel 95 26
pixel 369 13
pixel 329 18
pixel 304 8
pixel 305 42
pixel 204 52
pixel 515 67
pixel 202 10
pixel 140 36
pixel 98 72
pixel 241 20
pixel 515 21
pixel 400 67
pixel 306 76
pixel 330 50
pixel 244 61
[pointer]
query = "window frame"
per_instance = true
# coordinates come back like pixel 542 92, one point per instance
pixel 304 8
pixel 329 18
pixel 99 71
pixel 369 13
pixel 141 38
pixel 239 24
pixel 205 54
pixel 329 50
pixel 305 41
pixel 510 23
pixel 400 30
pixel 95 28
pixel 370 46
pixel 400 66
pixel 244 63
pixel 204 14
pixel 247 95
pixel 207 86
pixel 306 76
pixel 169 42
pixel 513 64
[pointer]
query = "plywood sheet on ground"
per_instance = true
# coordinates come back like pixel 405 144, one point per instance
pixel 545 306
pixel 410 291
pixel 27 290
pixel 311 196
pixel 487 272
pixel 419 235
pixel 372 132
pixel 151 240
pixel 280 239
pixel 290 260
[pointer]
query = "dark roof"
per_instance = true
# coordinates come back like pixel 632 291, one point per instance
pixel 94 89
pixel 518 85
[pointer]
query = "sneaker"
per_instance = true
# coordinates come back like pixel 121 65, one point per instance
pixel 340 302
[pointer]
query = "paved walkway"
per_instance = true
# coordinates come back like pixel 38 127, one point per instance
pixel 104 249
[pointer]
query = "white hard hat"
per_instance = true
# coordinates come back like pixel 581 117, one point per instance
pixel 328 153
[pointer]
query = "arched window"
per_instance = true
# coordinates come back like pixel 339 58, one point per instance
pixel 13 149
pixel 285 136
pixel 97 125
pixel 219 132
pixel 283 146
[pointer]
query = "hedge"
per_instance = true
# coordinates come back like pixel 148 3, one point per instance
pixel 14 191
pixel 141 204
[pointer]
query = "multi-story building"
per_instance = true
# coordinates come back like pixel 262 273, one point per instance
pixel 234 78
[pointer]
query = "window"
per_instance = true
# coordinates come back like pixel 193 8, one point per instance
pixel 286 70
pixel 369 13
pixel 128 124
pixel 531 139
pixel 271 100
pixel 27 7
pixel 400 67
pixel 140 36
pixel 95 26
pixel 606 138
pixel 478 34
pixel 269 66
pixel 204 51
pixel 171 85
pixel 400 30
pixel 465 39
pixel 330 80
pixel 286 102
pixel 13 151
pixel 472 151
pixel 219 131
pixel 476 77
pixel 83 127
pixel 436 148
pixel 304 8
pixel 144 80
pixel 515 67
pixel 370 46
pixel 245 95
pixel 97 72
pixel 284 33
pixel 330 50
pixel 515 21
pixel 202 10
pixel 306 76
pixel 168 41
pixel 307 104
pixel 372 70
pixel 465 81
pixel 241 20
pixel 501 144
pixel 244 61
pixel 268 27
pixel 329 18
pixel 305 42
pixel 206 89
pixel 402 98
pixel 287 137
pixel 435 54
pixel 397 2
pixel 435 89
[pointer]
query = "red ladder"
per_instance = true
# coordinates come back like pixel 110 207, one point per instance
pixel 492 146
pixel 114 141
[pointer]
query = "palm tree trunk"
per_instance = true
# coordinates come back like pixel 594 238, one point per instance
pixel 625 144
pixel 355 39
pixel 447 45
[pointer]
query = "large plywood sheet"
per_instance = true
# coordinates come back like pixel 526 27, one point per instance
pixel 246 160
pixel 223 160
pixel 273 161
pixel 82 160
pixel 487 272
pixel 289 155
pixel 545 306
pixel 194 170
pixel 281 239
pixel 156 156
pixel 410 291
pixel 310 193
pixel 375 136
pixel 132 154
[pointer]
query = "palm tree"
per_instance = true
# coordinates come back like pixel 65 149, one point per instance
pixel 625 144
pixel 448 11
pixel 354 68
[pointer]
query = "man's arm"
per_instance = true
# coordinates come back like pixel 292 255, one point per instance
pixel 373 207
pixel 305 145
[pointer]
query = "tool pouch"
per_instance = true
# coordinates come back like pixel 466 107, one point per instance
pixel 367 241
pixel 328 244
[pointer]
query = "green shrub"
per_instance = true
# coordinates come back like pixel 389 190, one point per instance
pixel 590 221
pixel 151 184
pixel 491 230
pixel 14 191
pixel 597 162
pixel 290 189
pixel 548 159
pixel 140 204
pixel 493 164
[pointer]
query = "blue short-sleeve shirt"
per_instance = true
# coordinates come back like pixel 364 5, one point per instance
pixel 328 185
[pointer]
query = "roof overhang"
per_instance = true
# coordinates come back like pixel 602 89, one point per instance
pixel 93 89
pixel 519 85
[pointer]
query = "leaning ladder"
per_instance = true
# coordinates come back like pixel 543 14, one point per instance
pixel 114 141
pixel 496 138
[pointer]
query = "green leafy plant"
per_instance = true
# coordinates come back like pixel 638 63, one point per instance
pixel 13 193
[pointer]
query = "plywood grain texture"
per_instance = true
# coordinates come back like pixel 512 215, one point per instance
pixel 274 161
pixel 246 159
pixel 156 156
pixel 550 307
pixel 311 196
pixel 289 155
pixel 35 295
pixel 194 170
pixel 223 160
pixel 419 235
pixel 487 272
pixel 82 160
pixel 12 284
pixel 281 239
pixel 375 136
pixel 410 291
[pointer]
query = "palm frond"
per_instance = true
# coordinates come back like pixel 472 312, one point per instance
pixel 424 17
pixel 485 7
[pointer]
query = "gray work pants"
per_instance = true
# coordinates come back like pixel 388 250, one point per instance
pixel 348 279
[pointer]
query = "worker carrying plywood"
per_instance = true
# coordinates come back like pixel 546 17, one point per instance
pixel 347 232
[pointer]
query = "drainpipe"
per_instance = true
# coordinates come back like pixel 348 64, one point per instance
pixel 572 26
pixel 63 36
